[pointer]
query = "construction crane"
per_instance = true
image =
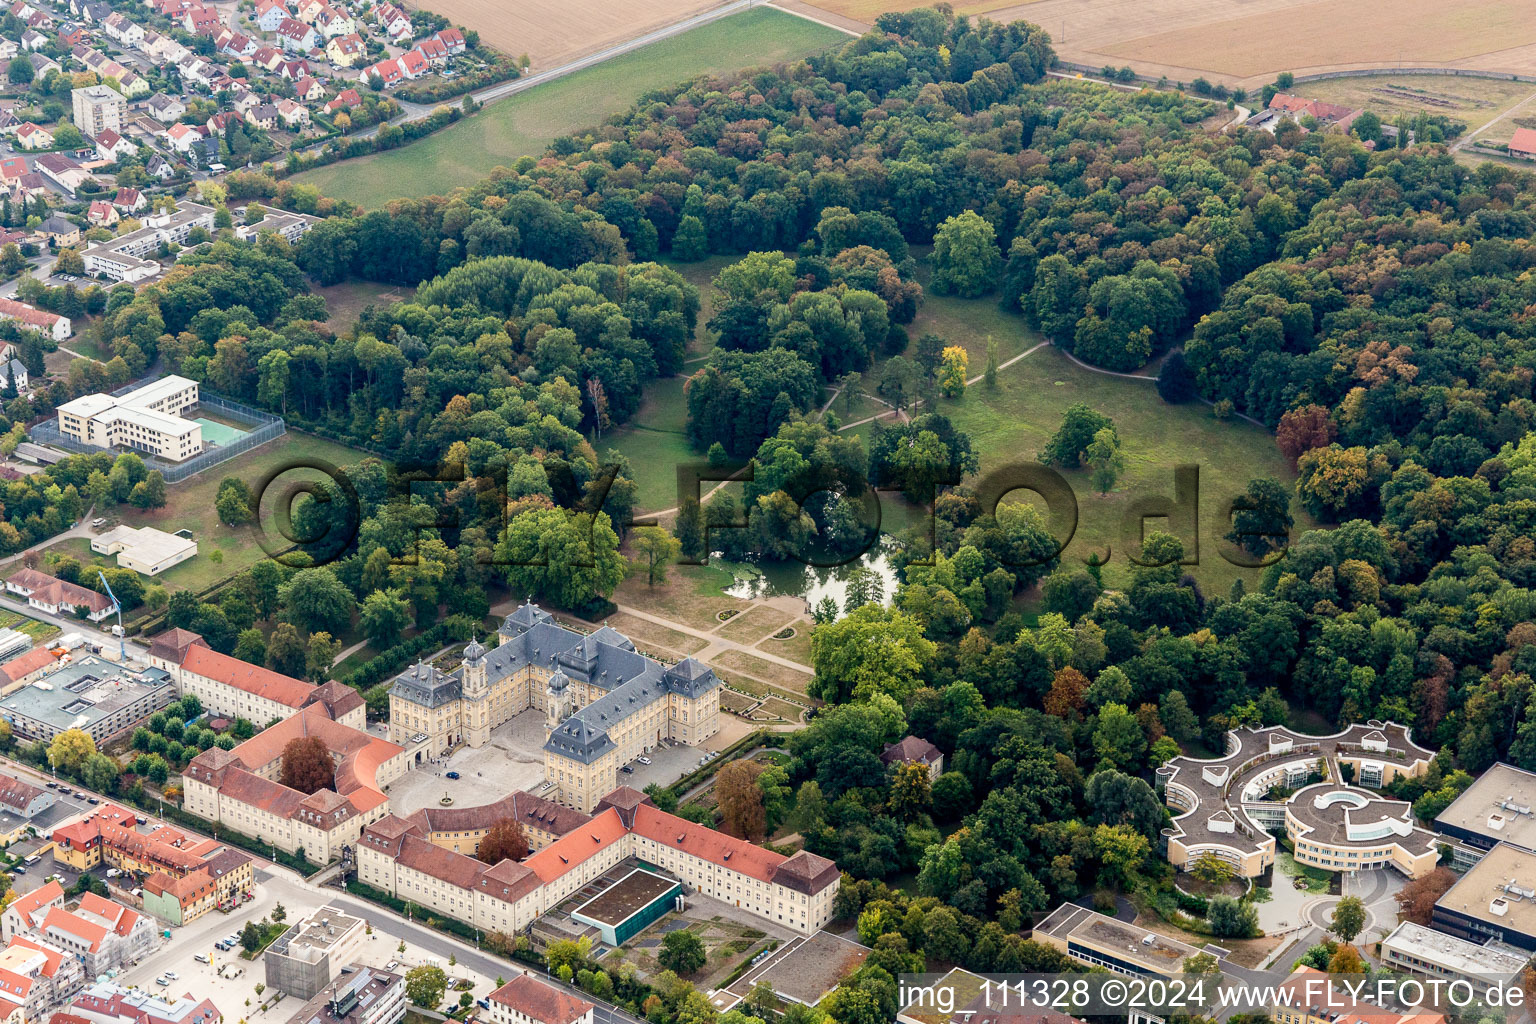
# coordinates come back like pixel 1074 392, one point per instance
pixel 117 630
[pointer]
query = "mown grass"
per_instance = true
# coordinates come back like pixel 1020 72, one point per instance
pixel 655 444
pixel 525 124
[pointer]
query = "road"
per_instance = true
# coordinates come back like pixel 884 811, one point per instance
pixel 92 634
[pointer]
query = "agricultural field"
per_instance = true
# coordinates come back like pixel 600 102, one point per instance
pixel 1473 101
pixel 1248 44
pixel 525 124
pixel 553 32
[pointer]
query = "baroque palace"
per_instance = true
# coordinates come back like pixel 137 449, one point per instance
pixel 604 703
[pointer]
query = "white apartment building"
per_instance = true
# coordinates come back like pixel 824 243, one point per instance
pixel 147 419
pixel 125 258
pixel 98 108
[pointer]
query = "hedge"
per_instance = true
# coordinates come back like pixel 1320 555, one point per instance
pixel 757 738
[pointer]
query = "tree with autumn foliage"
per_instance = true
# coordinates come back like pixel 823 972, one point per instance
pixel 1066 694
pixel 740 801
pixel 307 766
pixel 1416 900
pixel 504 840
pixel 1301 430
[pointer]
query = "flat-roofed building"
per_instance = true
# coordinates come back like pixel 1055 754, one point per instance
pixel 1420 950
pixel 1223 807
pixel 312 953
pixel 101 698
pixel 126 257
pixel 1495 899
pixel 1499 807
pixel 144 549
pixel 146 419
pixel 98 108
pixel 361 995
pixel 1101 941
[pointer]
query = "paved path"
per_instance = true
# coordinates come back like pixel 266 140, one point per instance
pixel 1468 137
pixel 718 644
pixel 974 380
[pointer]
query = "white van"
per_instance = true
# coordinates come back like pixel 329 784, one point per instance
pixel 203 958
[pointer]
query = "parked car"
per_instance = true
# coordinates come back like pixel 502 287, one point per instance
pixel 452 775
pixel 643 759
pixel 162 981
pixel 98 521
pixel 171 974
pixel 628 769
pixel 392 965
pixel 203 958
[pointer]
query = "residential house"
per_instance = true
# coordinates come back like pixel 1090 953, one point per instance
pixel 452 40
pixel 345 51
pixel 32 39
pixel 111 146
pixel 412 64
pixel 159 167
pixel 59 230
pixel 238 44
pixel 434 51
pixel 124 30
pixel 296 36
pixel 12 170
pixel 184 137
pixel 294 115
pixel 269 15
pixel 29 185
pixel 71 34
pixel 219 122
pixel 393 21
pixel 27 913
pixel 263 116
pixel 309 89
pixel 102 933
pixel 103 214
pixel 386 71
pixel 14 371
pixel 201 21
pixel 34 136
pixel 130 200
pixel 166 109
pixel 293 70
pixel 330 23
pixel 267 58
pixel 132 84
pixel 246 102
pixel 41 65
pixel 913 750
pixel 343 100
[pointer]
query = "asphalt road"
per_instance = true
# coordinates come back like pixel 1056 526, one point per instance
pixel 108 642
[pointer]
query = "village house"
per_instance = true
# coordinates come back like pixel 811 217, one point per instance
pixel 103 214
pixel 345 51
pixel 296 36
pixel 294 115
pixel 309 89
pixel 34 137
pixel 130 200
pixel 166 109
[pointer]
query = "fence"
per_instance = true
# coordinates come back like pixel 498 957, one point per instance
pixel 264 427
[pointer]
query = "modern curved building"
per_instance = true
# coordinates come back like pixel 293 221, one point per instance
pixel 1330 808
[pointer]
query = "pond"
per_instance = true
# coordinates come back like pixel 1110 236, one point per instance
pixel 811 583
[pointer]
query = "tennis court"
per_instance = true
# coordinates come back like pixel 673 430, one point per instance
pixel 218 433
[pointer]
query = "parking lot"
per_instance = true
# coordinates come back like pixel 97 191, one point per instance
pixel 237 997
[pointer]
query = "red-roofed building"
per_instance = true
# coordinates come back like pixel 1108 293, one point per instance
pixel 102 933
pixel 239 786
pixel 386 71
pixel 42 591
pixel 412 64
pixel 29 910
pixel 398 856
pixel 24 668
pixel 452 40
pixel 526 1000
pixel 107 1002
pixel 103 213
pixel 36 975
pixel 227 685
pixel 201 21
pixel 1523 144
pixel 343 100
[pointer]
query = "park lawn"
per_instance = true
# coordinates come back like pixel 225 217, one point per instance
pixel 526 123
pixel 701 274
pixel 1015 422
pixel 654 442
pixel 189 506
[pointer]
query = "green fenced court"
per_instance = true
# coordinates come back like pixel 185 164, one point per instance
pixel 221 434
